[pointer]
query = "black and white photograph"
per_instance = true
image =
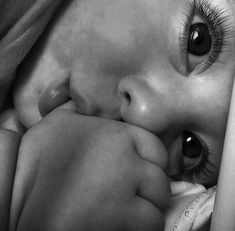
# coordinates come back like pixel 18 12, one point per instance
pixel 117 115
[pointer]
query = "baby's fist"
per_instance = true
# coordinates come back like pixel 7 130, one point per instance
pixel 86 173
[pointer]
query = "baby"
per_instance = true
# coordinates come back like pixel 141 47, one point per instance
pixel 118 97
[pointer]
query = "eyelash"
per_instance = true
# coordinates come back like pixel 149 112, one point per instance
pixel 200 170
pixel 217 21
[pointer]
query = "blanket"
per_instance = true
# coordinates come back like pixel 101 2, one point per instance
pixel 21 23
pixel 191 207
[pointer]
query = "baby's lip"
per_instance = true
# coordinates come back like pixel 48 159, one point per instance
pixel 55 95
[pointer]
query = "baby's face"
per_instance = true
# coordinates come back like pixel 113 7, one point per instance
pixel 163 65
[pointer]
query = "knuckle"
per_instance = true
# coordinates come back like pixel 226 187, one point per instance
pixel 153 171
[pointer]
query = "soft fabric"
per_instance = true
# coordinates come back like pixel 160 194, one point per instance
pixel 21 23
pixel 191 207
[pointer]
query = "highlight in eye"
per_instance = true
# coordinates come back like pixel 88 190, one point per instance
pixel 194 164
pixel 199 40
pixel 203 41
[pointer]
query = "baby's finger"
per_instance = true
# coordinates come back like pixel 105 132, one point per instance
pixel 154 185
pixel 149 147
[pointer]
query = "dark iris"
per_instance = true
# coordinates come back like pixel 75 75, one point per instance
pixel 191 147
pixel 199 41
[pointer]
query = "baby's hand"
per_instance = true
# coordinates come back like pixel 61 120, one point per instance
pixel 86 173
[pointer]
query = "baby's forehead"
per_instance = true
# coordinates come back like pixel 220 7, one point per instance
pixel 121 24
pixel 92 25
pixel 78 19
pixel 77 16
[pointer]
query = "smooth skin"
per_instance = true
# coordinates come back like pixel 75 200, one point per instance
pixel 118 60
pixel 100 178
pixel 121 60
pixel 9 144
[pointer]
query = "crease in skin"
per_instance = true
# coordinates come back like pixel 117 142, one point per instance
pixel 27 195
pixel 10 121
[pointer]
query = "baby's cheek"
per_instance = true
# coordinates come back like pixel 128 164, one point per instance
pixel 97 68
pixel 94 93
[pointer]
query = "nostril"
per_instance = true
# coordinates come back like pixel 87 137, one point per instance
pixel 125 106
pixel 126 97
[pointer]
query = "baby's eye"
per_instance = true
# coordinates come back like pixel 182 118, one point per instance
pixel 205 34
pixel 192 148
pixel 199 44
pixel 194 156
pixel 199 41
pixel 192 162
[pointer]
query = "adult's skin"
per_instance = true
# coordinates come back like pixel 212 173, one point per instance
pixel 16 38
pixel 9 144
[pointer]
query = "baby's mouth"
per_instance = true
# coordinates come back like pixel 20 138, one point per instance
pixel 60 94
pixel 55 95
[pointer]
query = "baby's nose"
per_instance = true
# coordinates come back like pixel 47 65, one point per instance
pixel 142 104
